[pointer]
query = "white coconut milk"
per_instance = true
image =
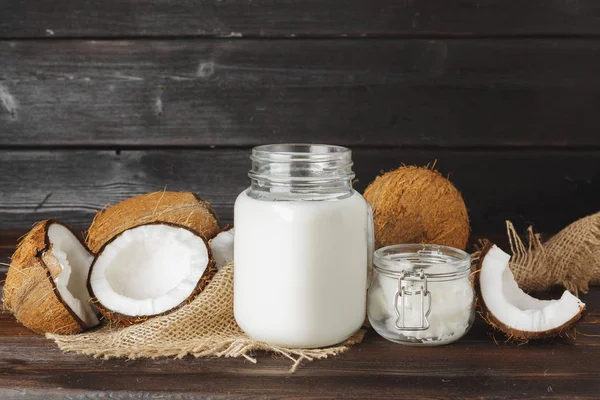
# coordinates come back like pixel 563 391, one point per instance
pixel 301 269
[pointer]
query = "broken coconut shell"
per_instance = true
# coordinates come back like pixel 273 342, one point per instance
pixel 505 307
pixel 417 205
pixel 222 247
pixel 149 270
pixel 30 291
pixel 182 208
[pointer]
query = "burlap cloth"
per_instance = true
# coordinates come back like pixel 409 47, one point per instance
pixel 204 328
pixel 571 258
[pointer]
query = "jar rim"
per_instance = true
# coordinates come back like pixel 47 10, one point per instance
pixel 306 152
pixel 436 261
pixel 303 165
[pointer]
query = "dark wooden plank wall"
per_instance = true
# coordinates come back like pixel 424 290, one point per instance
pixel 292 18
pixel 440 93
pixel 545 187
pixel 103 100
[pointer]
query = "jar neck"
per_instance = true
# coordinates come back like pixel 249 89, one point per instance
pixel 290 171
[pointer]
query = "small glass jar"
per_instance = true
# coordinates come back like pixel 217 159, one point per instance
pixel 421 294
pixel 302 247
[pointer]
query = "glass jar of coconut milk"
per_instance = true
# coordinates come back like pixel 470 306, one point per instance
pixel 303 244
pixel 421 294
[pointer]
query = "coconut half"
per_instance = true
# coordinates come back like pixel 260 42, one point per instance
pixel 149 270
pixel 222 247
pixel 46 283
pixel 507 308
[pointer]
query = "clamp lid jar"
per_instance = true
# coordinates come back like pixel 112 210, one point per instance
pixel 421 294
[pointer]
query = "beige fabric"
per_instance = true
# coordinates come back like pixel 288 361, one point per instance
pixel 204 328
pixel 571 258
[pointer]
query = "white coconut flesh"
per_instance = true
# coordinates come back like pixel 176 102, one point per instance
pixel 149 269
pixel 515 308
pixel 222 248
pixel 75 261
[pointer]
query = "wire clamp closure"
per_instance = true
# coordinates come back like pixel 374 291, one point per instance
pixel 412 285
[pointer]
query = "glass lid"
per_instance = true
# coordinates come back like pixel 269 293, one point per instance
pixel 436 261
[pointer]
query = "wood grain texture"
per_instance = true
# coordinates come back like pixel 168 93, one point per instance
pixel 426 93
pixel 287 18
pixel 547 188
pixel 474 367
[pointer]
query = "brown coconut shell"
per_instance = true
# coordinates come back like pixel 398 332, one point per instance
pixel 123 320
pixel 417 205
pixel 515 334
pixel 181 208
pixel 30 293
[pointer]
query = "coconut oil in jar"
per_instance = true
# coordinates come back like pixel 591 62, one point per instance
pixel 303 240
pixel 421 294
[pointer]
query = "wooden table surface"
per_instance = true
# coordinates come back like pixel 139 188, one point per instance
pixel 474 367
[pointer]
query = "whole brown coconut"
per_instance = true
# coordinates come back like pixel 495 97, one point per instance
pixel 182 208
pixel 30 291
pixel 417 205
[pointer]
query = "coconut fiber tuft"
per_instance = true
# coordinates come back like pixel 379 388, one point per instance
pixel 571 258
pixel 204 328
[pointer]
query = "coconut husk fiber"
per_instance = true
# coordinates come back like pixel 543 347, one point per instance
pixel 181 208
pixel 571 258
pixel 204 328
